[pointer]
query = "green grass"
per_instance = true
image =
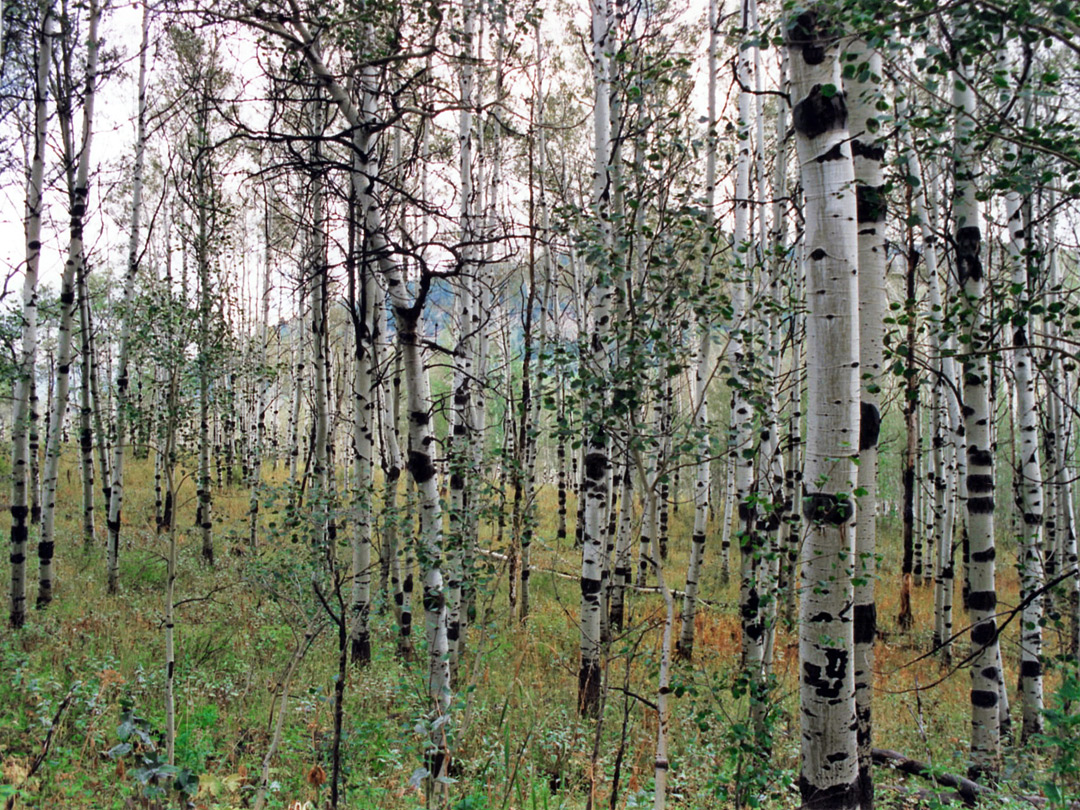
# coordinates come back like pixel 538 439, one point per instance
pixel 517 739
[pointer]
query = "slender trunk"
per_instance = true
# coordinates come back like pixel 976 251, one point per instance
pixel 596 472
pixel 905 619
pixel 24 412
pixel 1029 475
pixel 73 268
pixel 86 410
pixel 115 497
pixel 703 368
pixel 262 384
pixel 868 154
pixel 985 700
pixel 362 294
pixel 829 777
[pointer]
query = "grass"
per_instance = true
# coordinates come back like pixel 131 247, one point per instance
pixel 517 738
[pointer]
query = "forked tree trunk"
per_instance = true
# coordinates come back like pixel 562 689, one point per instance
pixel 829 775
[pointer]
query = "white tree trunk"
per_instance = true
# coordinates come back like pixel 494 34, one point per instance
pixel 829 777
pixel 597 441
pixel 868 153
pixel 73 268
pixel 982 601
pixel 22 415
pixel 116 483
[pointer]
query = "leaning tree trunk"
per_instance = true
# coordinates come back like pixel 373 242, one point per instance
pixel 985 700
pixel 24 381
pixel 73 268
pixel 868 152
pixel 116 488
pixel 829 777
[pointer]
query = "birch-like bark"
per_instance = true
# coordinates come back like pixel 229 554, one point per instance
pixel 982 601
pixel 945 409
pixel 596 462
pixel 703 368
pixel 829 777
pixel 73 268
pixel 868 153
pixel 115 498
pixel 22 415
pixel 363 294
pixel 86 410
pixel 262 384
pixel 1029 471
pixel 421 434
pixel 460 416
pixel 742 439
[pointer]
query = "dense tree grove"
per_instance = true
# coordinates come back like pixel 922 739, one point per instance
pixel 722 355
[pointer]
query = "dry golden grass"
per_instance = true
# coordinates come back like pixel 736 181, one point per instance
pixel 517 733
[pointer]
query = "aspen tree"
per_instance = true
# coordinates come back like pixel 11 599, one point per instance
pixel 751 554
pixel 979 483
pixel 86 409
pixel 1028 469
pixel 23 449
pixel 362 293
pixel 597 462
pixel 460 416
pixel 945 410
pixel 262 383
pixel 829 775
pixel 864 94
pixel 703 369
pixel 79 185
pixel 115 497
pixel 407 311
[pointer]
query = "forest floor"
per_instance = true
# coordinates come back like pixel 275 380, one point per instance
pixel 70 674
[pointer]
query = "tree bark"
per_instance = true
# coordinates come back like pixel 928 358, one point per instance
pixel 829 776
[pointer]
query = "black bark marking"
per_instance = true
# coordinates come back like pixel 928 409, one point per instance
pixel 835 153
pixel 421 467
pixel 817 114
pixel 871 203
pixel 984 633
pixel 870 151
pixel 982 600
pixel 865 620
pixel 869 425
pixel 969 265
pixel 828 798
pixel 984 698
pixel 824 507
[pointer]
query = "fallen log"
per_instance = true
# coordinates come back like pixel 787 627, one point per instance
pixel 968 790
